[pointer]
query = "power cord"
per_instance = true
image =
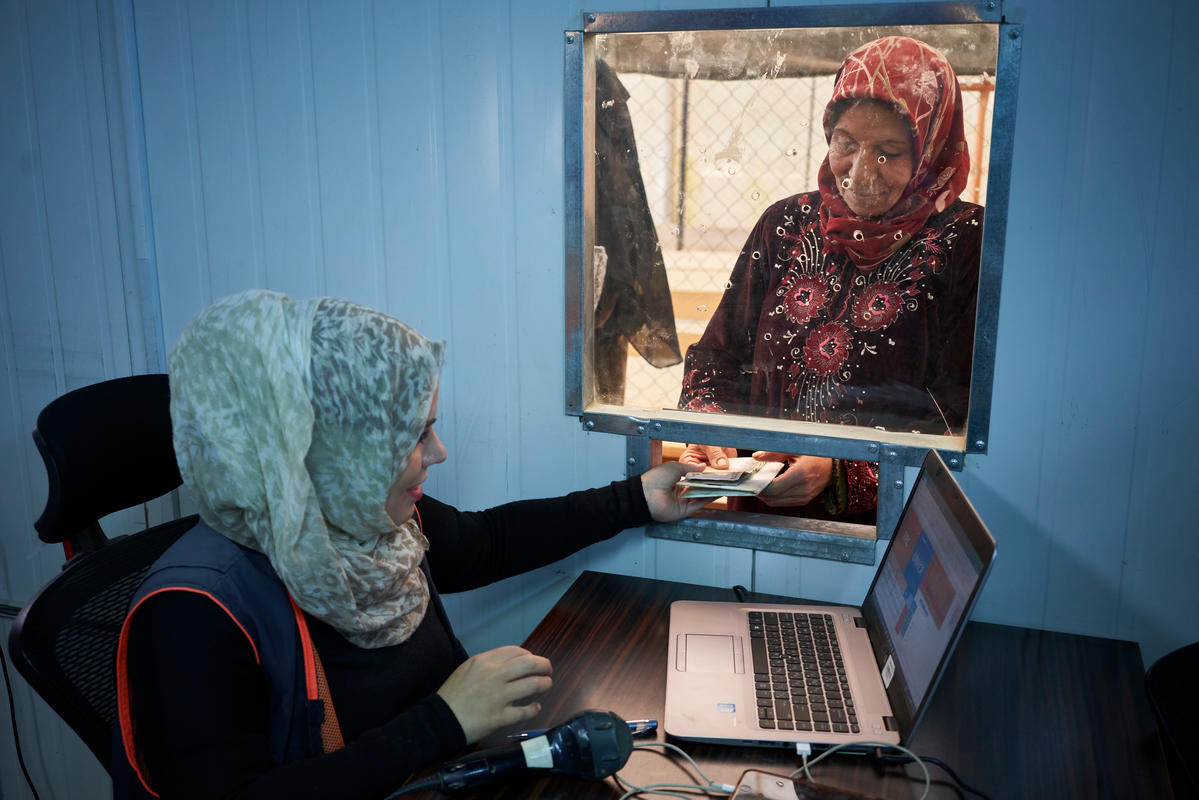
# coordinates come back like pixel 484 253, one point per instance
pixel 883 757
pixel 804 750
pixel 12 714
pixel 681 790
pixel 888 760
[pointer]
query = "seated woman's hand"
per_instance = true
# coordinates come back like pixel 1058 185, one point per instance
pixel 803 479
pixel 703 455
pixel 485 691
pixel 663 495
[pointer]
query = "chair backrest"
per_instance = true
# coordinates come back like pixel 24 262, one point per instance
pixel 1170 684
pixel 107 447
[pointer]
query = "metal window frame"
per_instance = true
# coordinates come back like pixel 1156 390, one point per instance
pixel 893 451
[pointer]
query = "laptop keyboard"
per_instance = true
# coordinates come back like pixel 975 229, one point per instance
pixel 799 675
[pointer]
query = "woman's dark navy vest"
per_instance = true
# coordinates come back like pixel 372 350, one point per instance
pixel 243 583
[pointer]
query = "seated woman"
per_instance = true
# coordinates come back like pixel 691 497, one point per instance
pixel 293 644
pixel 854 304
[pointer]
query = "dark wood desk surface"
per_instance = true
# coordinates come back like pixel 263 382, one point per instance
pixel 1019 713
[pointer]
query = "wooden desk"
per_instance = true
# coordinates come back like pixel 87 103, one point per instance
pixel 1019 713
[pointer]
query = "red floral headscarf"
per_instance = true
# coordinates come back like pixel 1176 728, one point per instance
pixel 921 85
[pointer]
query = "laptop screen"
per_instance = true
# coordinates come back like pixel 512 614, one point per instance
pixel 925 588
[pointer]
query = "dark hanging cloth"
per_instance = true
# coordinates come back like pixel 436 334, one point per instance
pixel 634 304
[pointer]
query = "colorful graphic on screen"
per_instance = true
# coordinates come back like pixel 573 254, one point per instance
pixel 925 585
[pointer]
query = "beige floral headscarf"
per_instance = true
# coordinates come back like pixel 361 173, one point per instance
pixel 291 420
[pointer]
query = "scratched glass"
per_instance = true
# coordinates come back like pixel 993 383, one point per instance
pixel 714 289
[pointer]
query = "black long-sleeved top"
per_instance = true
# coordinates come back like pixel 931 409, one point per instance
pixel 201 702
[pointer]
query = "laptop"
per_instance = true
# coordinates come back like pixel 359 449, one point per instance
pixel 777 675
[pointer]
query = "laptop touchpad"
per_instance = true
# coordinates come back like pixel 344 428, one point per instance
pixel 708 652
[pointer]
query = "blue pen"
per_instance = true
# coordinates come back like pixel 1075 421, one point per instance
pixel 636 726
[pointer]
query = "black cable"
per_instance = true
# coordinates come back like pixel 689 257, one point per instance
pixel 424 784
pixel 741 593
pixel 965 786
pixel 16 737
pixel 900 760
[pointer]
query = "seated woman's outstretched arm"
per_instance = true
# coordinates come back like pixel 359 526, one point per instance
pixel 469 549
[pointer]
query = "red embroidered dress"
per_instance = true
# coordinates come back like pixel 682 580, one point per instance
pixel 803 334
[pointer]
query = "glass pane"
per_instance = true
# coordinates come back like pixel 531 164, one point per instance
pixel 718 285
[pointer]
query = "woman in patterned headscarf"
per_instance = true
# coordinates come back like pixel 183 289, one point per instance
pixel 293 643
pixel 854 304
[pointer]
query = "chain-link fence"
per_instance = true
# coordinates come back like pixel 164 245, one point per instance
pixel 714 154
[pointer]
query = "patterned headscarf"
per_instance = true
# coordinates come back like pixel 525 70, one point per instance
pixel 291 421
pixel 919 83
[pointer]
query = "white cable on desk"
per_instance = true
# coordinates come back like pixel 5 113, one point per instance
pixel 686 791
pixel 711 787
pixel 806 763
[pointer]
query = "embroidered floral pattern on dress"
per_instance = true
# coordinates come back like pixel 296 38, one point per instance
pixel 826 348
pixel 829 318
pixel 929 253
pixel 699 404
pixel 862 477
pixel 701 398
pixel 877 307
pixel 804 299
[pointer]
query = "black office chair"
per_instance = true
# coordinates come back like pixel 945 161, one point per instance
pixel 1170 683
pixel 107 447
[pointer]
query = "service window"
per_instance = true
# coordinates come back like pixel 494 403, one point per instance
pixel 784 237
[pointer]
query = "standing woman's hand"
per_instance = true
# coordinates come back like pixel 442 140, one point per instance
pixel 703 455
pixel 664 497
pixel 486 690
pixel 801 482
